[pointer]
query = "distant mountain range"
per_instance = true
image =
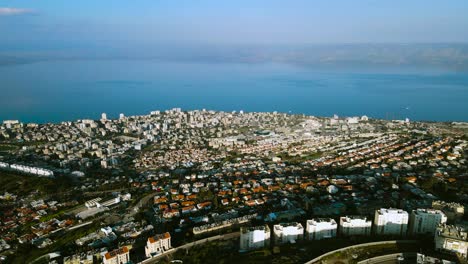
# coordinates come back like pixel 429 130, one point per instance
pixel 448 56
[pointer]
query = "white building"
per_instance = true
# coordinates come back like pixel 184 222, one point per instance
pixel 103 117
pixel 106 230
pixel 426 221
pixel 332 189
pixel 31 170
pixel 391 222
pixel 110 202
pixel 321 228
pixel 352 120
pixel 451 238
pixel 288 232
pixel 10 123
pixel 355 226
pixel 254 237
pixel 118 256
pixel 158 244
pixel 93 203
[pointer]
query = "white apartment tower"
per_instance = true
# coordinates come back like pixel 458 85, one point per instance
pixel 254 237
pixel 158 244
pixel 426 221
pixel 288 232
pixel 355 226
pixel 391 222
pixel 321 228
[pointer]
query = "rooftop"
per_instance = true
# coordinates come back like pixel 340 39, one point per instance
pixel 453 231
pixel 254 228
pixel 427 211
pixel 116 252
pixel 280 226
pixel 322 220
pixel 158 237
pixel 391 211
pixel 353 217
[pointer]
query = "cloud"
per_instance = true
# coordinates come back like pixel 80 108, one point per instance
pixel 11 11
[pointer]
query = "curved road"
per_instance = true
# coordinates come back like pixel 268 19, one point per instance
pixel 143 201
pixel 390 259
pixel 319 258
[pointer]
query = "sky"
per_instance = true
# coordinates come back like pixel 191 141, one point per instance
pixel 40 25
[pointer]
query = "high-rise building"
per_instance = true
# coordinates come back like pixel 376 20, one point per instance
pixel 103 117
pixel 355 226
pixel 321 228
pixel 288 232
pixel 391 222
pixel 254 237
pixel 118 256
pixel 426 221
pixel 158 244
pixel 452 238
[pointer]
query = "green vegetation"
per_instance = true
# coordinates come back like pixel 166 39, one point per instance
pixel 65 243
pixel 8 147
pixel 439 188
pixel 299 159
pixel 16 183
pixel 211 252
pixel 52 216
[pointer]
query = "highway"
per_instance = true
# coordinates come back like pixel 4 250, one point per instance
pixel 359 246
pixel 390 259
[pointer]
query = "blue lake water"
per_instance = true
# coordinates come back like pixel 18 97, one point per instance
pixel 54 91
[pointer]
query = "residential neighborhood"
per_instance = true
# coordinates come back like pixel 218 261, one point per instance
pixel 137 188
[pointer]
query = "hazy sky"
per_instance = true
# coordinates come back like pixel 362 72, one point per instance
pixel 58 24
